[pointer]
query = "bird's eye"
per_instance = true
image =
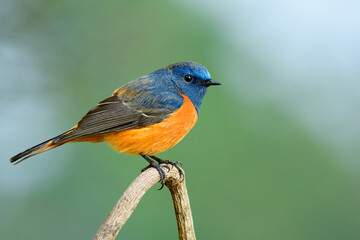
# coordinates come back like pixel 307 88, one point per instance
pixel 188 78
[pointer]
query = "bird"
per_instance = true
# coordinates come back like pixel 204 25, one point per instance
pixel 144 117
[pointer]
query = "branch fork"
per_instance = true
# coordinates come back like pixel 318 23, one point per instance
pixel 133 194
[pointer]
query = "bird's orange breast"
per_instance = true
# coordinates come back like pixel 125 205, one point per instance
pixel 159 137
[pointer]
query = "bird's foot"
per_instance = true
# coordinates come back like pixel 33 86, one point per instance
pixel 158 167
pixel 176 164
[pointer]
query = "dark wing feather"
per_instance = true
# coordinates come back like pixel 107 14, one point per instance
pixel 112 115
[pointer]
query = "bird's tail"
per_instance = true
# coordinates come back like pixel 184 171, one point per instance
pixel 42 147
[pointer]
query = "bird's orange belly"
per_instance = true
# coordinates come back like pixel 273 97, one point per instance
pixel 156 138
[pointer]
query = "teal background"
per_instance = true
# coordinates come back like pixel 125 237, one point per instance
pixel 258 164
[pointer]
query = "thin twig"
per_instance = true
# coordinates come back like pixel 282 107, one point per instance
pixel 131 197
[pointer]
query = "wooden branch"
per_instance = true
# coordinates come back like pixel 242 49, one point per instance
pixel 131 197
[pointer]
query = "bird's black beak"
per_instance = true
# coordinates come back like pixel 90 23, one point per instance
pixel 209 82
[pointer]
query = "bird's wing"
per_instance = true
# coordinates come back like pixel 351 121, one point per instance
pixel 129 110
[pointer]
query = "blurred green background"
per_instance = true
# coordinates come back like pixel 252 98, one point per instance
pixel 274 154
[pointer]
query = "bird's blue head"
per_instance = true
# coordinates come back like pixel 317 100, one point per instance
pixel 188 78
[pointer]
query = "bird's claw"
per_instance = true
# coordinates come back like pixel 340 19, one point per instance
pixel 176 164
pixel 160 165
pixel 161 172
pixel 165 166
